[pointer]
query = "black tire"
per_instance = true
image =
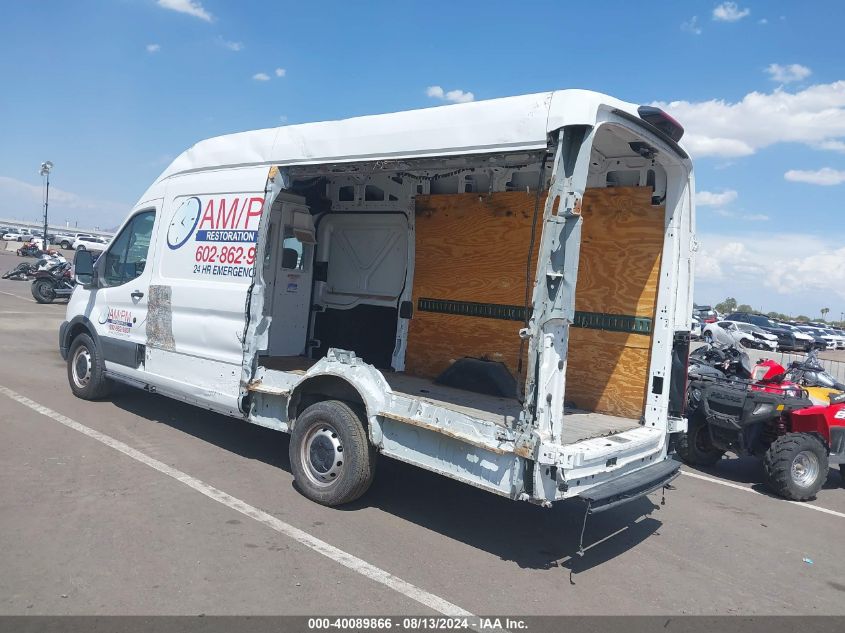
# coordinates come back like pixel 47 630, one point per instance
pixel 796 466
pixel 86 370
pixel 695 448
pixel 331 457
pixel 65 244
pixel 708 338
pixel 842 475
pixel 80 247
pixel 43 291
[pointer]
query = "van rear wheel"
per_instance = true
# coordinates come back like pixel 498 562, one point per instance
pixel 331 457
pixel 86 370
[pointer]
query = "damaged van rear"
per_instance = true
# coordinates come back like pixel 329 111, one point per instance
pixel 496 291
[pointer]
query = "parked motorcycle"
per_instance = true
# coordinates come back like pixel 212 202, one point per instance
pixel 53 283
pixel 21 272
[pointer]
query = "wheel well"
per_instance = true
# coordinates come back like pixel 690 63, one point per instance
pixel 321 388
pixel 75 330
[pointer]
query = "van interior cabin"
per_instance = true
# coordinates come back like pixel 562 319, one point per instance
pixel 420 268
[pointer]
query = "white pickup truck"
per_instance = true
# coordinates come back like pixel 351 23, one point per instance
pixel 90 243
pixel 66 240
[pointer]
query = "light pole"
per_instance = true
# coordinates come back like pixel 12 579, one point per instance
pixel 46 166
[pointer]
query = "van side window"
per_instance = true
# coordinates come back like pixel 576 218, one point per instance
pixel 292 251
pixel 126 257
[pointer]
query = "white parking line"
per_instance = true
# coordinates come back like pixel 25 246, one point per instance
pixel 729 484
pixel 12 294
pixel 321 547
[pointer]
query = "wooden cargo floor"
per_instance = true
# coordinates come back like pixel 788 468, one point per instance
pixel 577 425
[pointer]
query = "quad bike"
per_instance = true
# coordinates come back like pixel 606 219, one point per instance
pixel 28 250
pixel 772 415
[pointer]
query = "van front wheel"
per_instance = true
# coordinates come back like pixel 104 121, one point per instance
pixel 86 370
pixel 331 458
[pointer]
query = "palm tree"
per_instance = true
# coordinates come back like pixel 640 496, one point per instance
pixel 824 311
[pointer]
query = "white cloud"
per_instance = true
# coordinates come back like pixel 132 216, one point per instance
pixel 740 266
pixel 452 96
pixel 691 26
pixel 745 217
pixel 762 21
pixel 189 7
pixel 261 77
pixel 25 201
pixel 232 46
pixel 788 73
pixel 153 48
pixel 716 127
pixel 280 72
pixel 729 12
pixel 824 176
pixel 833 146
pixel 709 199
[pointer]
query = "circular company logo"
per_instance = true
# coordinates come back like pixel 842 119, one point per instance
pixel 183 223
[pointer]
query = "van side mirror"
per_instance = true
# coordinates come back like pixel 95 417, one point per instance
pixel 83 268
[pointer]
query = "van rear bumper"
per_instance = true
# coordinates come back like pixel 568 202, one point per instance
pixel 631 486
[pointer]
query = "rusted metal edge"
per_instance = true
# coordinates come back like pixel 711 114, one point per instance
pixel 457 436
pixel 258 387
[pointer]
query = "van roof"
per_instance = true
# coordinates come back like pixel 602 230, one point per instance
pixel 508 124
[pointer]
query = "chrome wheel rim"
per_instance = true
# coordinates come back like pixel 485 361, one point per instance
pixel 321 454
pixel 805 468
pixel 81 367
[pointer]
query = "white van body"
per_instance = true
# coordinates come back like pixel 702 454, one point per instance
pixel 214 296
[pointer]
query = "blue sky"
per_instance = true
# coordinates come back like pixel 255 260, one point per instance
pixel 111 91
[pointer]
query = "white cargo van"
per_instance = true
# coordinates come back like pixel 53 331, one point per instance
pixel 497 291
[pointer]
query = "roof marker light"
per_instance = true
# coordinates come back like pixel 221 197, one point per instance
pixel 662 121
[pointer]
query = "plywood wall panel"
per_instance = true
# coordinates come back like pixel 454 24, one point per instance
pixel 472 247
pixel 621 243
pixel 621 246
pixel 469 247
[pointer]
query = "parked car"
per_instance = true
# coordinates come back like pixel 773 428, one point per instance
pixel 90 243
pixel 837 339
pixel 828 341
pixel 811 340
pixel 786 339
pixel 705 314
pixel 695 328
pixel 16 235
pixel 739 333
pixel 66 240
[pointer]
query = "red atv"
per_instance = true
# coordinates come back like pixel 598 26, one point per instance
pixel 794 419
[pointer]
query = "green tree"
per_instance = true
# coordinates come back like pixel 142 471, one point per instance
pixel 802 318
pixel 744 307
pixel 728 305
pixel 824 312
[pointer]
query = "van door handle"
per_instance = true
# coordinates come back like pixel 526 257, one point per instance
pixel 137 294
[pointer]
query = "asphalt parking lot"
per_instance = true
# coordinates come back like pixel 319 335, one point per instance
pixel 87 527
